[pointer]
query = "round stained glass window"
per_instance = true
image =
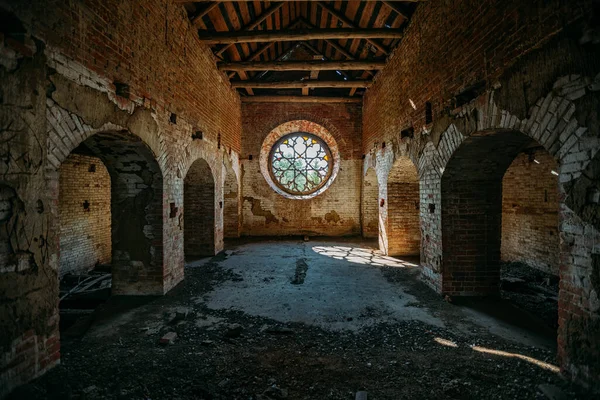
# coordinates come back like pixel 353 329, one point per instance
pixel 300 163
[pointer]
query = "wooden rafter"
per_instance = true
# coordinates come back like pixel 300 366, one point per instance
pixel 314 65
pixel 334 45
pixel 345 20
pixel 204 11
pixel 281 57
pixel 266 14
pixel 258 52
pixel 299 99
pixel 287 35
pixel 300 84
pixel 395 8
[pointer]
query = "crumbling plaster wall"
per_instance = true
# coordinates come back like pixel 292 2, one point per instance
pixel 29 341
pixel 62 74
pixel 536 73
pixel 334 212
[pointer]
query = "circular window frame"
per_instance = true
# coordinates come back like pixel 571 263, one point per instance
pixel 329 160
pixel 299 127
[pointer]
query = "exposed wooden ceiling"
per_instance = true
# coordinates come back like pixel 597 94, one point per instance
pixel 309 49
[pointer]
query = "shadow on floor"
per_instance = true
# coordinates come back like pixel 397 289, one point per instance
pixel 502 314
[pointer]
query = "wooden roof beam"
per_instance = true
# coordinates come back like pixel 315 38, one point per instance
pixel 395 8
pixel 299 99
pixel 196 18
pixel 313 65
pixel 300 84
pixel 345 20
pixel 288 35
pixel 317 53
pixel 268 12
pixel 258 52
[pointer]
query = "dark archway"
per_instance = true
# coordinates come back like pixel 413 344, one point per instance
pixel 403 230
pixel 136 211
pixel 199 210
pixel 472 208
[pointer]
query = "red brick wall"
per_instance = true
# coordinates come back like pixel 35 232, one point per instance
pixel 149 45
pixel 370 205
pixel 199 213
pixel 451 45
pixel 334 212
pixel 403 230
pixel 530 211
pixel 85 234
pixel 231 212
pixel 471 215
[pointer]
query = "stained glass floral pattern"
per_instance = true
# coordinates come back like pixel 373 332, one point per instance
pixel 300 163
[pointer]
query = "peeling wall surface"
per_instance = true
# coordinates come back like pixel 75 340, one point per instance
pixel 529 80
pixel 58 81
pixel 334 212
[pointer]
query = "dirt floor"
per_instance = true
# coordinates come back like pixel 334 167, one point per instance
pixel 412 346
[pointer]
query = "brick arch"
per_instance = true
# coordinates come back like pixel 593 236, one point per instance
pixel 471 211
pixel 196 150
pixel 200 151
pixel 68 131
pixel 298 126
pixel 551 122
pixel 279 120
pixel 136 194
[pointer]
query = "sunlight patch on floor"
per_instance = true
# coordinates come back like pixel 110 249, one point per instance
pixel 364 256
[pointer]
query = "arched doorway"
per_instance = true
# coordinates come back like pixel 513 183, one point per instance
pixel 478 192
pixel 403 230
pixel 199 210
pixel 123 182
pixel 370 205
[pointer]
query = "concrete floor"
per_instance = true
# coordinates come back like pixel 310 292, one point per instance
pixel 343 286
pixel 321 319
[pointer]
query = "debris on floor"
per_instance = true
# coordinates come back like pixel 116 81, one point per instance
pixel 80 295
pixel 531 290
pixel 231 354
